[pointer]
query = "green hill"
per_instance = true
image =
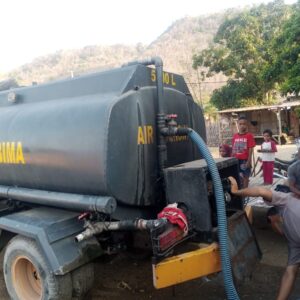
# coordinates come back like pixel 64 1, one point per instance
pixel 176 46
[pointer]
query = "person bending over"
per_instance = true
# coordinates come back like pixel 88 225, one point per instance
pixel 293 175
pixel 289 207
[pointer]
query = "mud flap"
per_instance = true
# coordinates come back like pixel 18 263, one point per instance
pixel 54 230
pixel 243 247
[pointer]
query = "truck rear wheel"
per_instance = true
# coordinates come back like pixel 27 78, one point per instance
pixel 27 275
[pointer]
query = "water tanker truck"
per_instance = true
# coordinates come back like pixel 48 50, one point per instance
pixel 107 162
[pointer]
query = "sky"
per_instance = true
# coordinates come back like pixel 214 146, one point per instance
pixel 32 28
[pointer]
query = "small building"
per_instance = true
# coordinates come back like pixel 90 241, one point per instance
pixel 281 118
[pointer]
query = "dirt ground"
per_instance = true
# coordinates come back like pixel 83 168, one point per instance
pixel 128 279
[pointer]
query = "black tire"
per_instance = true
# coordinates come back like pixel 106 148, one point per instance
pixel 83 280
pixel 28 276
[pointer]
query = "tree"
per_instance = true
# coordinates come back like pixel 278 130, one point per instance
pixel 285 67
pixel 242 52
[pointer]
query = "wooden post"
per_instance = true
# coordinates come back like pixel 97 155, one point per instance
pixel 279 126
pixel 219 129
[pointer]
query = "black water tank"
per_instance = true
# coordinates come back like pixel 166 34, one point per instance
pixel 93 134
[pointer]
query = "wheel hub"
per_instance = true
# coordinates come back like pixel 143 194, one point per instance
pixel 26 279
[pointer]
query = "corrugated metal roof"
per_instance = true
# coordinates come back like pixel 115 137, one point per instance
pixel 262 107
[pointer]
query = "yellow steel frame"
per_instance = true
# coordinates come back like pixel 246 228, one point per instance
pixel 187 266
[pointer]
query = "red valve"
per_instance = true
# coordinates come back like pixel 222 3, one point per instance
pixel 83 215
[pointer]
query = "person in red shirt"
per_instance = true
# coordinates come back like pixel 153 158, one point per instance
pixel 242 148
